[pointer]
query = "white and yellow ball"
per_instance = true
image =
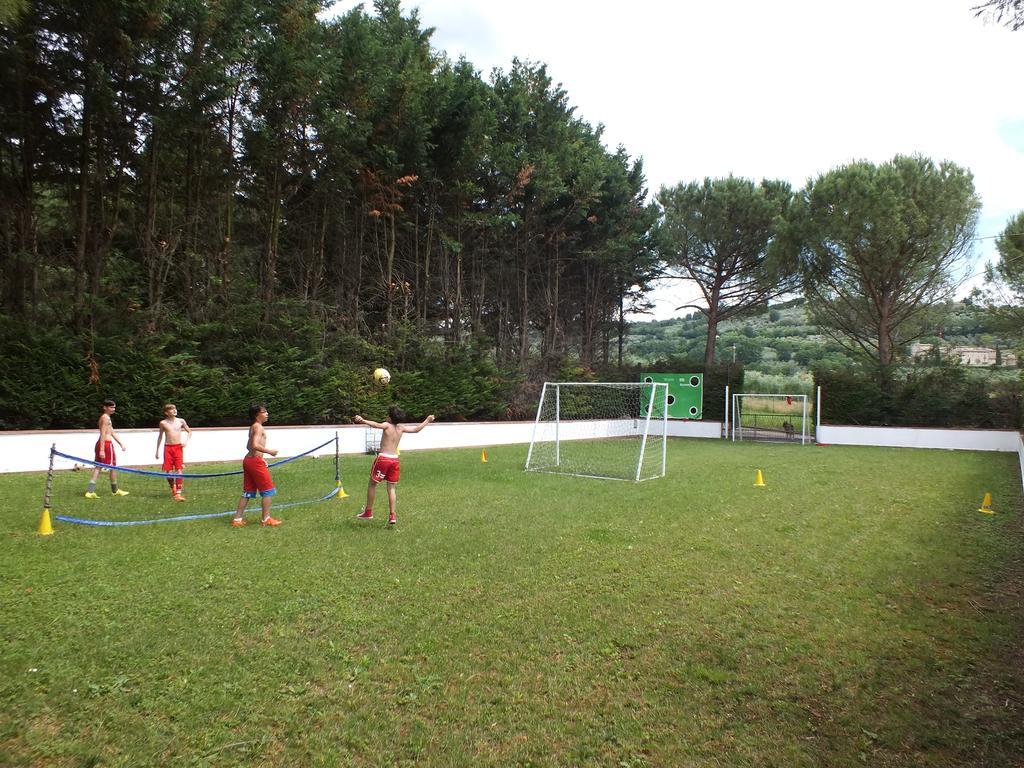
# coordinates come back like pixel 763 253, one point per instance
pixel 381 377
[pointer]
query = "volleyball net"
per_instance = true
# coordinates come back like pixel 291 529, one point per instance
pixel 205 492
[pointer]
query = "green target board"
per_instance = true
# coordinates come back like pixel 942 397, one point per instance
pixel 685 393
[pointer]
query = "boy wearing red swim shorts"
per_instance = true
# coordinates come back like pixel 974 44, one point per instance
pixel 386 465
pixel 255 474
pixel 105 451
pixel 174 447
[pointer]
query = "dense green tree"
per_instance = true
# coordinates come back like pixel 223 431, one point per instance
pixel 170 170
pixel 880 245
pixel 1005 280
pixel 1010 245
pixel 719 235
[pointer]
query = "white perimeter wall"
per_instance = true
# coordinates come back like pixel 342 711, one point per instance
pixel 30 450
pixel 918 437
pixel 1020 455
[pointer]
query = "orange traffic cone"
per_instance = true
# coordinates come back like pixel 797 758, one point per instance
pixel 483 456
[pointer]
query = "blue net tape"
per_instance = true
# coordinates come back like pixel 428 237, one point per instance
pixel 179 518
pixel 171 475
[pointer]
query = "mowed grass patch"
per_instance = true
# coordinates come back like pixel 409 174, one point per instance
pixel 857 610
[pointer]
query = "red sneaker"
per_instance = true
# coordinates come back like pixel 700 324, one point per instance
pixel 391 519
pixel 270 521
pixel 366 514
pixel 238 522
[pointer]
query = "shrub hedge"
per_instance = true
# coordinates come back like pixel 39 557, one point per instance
pixel 941 395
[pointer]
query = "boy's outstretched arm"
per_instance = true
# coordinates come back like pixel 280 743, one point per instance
pixel 419 426
pixel 360 420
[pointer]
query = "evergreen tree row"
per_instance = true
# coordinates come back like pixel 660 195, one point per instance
pixel 171 170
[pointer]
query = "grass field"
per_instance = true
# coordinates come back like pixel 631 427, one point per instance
pixel 856 611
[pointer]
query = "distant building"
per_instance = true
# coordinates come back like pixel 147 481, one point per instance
pixel 978 357
pixel 919 350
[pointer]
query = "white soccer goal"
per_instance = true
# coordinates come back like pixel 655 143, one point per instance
pixel 771 418
pixel 611 430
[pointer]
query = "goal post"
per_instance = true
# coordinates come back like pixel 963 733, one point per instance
pixel 614 430
pixel 771 418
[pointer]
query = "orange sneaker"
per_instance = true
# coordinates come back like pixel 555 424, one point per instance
pixel 270 521
pixel 237 522
pixel 178 497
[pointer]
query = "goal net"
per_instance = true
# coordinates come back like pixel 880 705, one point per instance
pixel 614 430
pixel 771 418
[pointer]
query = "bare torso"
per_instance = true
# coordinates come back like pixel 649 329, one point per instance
pixel 172 430
pixel 257 441
pixel 392 434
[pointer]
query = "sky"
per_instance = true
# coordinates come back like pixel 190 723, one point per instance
pixel 782 90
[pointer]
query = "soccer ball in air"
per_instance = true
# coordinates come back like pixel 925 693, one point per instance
pixel 381 376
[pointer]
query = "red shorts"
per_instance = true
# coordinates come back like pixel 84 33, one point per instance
pixel 174 457
pixel 256 477
pixel 384 468
pixel 105 452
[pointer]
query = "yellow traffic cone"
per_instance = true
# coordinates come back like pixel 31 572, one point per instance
pixel 45 528
pixel 986 504
pixel 341 493
pixel 759 482
pixel 483 455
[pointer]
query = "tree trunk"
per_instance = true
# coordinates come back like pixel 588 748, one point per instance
pixel 268 269
pixel 885 350
pixel 524 308
pixel 709 348
pixel 82 228
pixel 22 246
pixel 622 324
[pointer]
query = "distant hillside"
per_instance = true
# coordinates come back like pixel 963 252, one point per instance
pixel 781 341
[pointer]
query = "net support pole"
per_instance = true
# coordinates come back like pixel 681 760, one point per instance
pixel 643 439
pixel 45 526
pixel 558 425
pixel 340 492
pixel 536 424
pixel 737 417
pixel 664 434
pixel 725 426
pixel 817 415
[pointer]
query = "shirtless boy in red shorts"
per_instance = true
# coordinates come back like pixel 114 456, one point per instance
pixel 174 450
pixel 256 476
pixel 105 452
pixel 385 466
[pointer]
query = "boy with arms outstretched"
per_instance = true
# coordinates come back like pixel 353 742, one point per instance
pixel 386 465
pixel 174 454
pixel 256 475
pixel 105 451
